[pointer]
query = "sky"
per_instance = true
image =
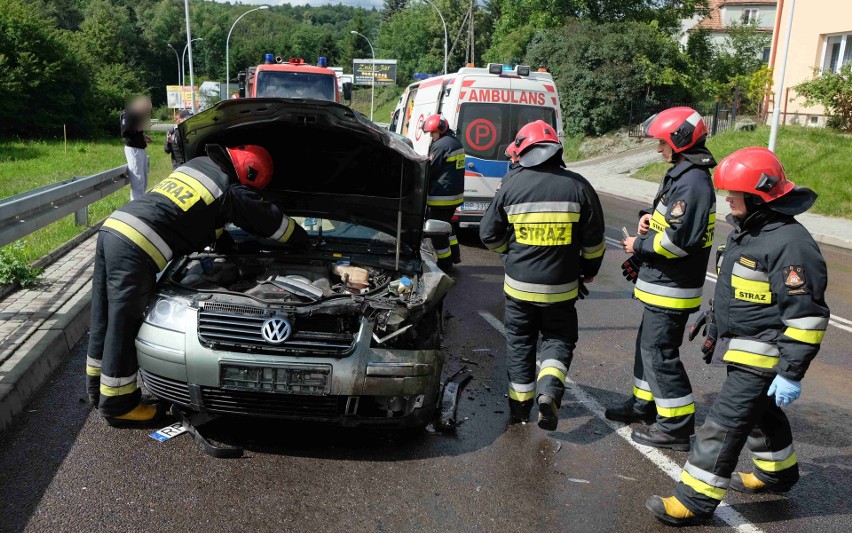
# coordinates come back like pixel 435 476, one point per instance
pixel 359 3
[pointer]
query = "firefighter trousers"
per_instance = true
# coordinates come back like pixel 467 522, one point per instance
pixel 123 282
pixel 742 415
pixel 659 378
pixel 447 249
pixel 556 326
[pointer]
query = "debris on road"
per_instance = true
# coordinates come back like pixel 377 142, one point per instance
pixel 450 399
pixel 577 480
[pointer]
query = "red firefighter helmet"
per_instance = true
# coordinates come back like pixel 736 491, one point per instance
pixel 436 123
pixel 534 144
pixel 253 165
pixel 754 170
pixel 681 127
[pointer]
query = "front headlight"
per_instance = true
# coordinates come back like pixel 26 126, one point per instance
pixel 168 313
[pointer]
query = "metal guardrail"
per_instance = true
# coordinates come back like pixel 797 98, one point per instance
pixel 27 212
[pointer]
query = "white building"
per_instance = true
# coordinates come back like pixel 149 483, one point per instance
pixel 721 14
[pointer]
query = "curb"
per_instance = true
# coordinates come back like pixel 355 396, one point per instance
pixel 48 347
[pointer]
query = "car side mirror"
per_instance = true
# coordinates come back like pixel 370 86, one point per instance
pixel 437 228
pixel 347 90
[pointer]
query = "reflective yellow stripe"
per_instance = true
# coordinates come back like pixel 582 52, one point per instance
pixel 658 222
pixel 775 466
pixel 540 297
pixel 502 248
pixel 444 254
pixel 750 290
pixel 658 246
pixel 453 240
pixel 552 371
pixel 670 412
pixel 92 370
pixel 809 336
pixel 643 394
pixel 219 232
pixel 702 488
pixel 593 252
pixel 551 234
pixel 118 391
pixel 137 238
pixel 196 186
pixel 521 396
pixel 543 217
pixel 667 301
pixel 291 226
pixel 750 359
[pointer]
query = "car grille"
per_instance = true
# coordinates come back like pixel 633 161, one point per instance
pixel 238 328
pixel 166 389
pixel 273 405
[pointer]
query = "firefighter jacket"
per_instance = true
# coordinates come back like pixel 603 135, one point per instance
pixel 188 210
pixel 676 248
pixel 547 224
pixel 446 172
pixel 770 295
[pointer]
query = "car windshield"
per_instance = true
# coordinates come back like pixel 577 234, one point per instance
pixel 303 85
pixel 486 130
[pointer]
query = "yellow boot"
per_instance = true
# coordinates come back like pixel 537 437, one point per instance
pixel 671 511
pixel 750 484
pixel 143 415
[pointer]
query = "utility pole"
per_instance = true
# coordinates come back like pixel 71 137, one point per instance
pixel 776 113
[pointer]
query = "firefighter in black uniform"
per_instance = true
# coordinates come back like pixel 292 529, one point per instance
pixel 446 185
pixel 548 226
pixel 184 213
pixel 770 309
pixel 673 247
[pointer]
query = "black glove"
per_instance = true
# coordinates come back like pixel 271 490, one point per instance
pixel 710 333
pixel 630 268
pixel 582 291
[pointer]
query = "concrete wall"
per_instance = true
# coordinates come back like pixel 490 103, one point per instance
pixel 813 22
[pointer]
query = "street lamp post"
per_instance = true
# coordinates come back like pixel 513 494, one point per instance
pixel 372 72
pixel 189 40
pixel 183 63
pixel 228 45
pixel 776 113
pixel 177 58
pixel 445 32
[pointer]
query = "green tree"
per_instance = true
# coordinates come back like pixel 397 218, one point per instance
pixel 833 91
pixel 601 68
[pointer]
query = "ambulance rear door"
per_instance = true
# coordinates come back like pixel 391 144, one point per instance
pixel 427 102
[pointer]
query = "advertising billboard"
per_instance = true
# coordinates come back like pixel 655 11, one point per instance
pixel 384 71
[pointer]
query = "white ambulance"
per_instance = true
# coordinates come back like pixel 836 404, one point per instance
pixel 485 107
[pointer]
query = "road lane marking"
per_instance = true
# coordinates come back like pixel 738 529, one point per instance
pixel 836 321
pixel 725 512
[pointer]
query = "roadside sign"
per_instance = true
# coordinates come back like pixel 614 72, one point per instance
pixel 180 97
pixel 384 71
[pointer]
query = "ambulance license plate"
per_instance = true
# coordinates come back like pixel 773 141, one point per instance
pixel 475 206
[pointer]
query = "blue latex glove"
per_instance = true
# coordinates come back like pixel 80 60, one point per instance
pixel 786 391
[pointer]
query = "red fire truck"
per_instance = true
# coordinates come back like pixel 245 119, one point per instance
pixel 276 78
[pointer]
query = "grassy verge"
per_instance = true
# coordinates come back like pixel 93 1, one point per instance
pixel 814 157
pixel 25 165
pixel 385 102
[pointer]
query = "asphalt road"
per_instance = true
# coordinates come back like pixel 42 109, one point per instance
pixel 63 469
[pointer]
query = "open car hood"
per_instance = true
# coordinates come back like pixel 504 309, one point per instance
pixel 330 161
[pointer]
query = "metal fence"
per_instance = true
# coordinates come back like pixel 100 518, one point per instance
pixel 718 117
pixel 27 212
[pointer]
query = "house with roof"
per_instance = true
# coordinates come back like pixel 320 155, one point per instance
pixel 720 15
pixel 819 43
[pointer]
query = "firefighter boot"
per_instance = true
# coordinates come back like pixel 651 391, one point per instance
pixel 627 414
pixel 519 412
pixel 654 436
pixel 547 417
pixel 750 484
pixel 671 511
pixel 143 415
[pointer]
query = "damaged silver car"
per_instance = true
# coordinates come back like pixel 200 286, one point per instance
pixel 347 332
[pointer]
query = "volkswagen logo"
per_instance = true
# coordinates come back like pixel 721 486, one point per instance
pixel 276 330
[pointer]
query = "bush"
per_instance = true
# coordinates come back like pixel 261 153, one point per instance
pixel 14 267
pixel 832 90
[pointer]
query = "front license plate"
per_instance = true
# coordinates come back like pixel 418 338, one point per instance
pixel 475 206
pixel 281 379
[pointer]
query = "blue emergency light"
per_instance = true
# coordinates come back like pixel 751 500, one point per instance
pixel 269 59
pixel 322 61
